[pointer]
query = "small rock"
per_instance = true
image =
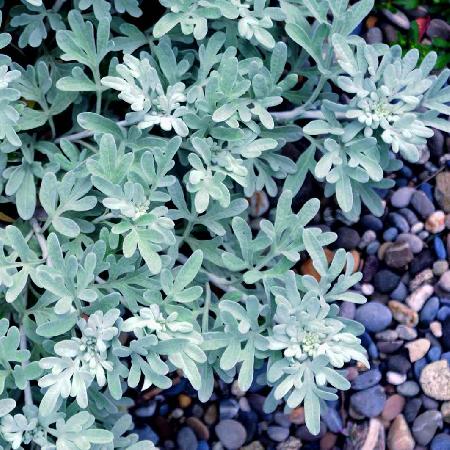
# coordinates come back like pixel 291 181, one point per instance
pixel 438 28
pixel 422 204
pixel 406 332
pixel 403 314
pixel 201 430
pixel 259 204
pixel 435 222
pixel 395 378
pixel 374 316
pixel 374 36
pixel 370 402
pixel 436 329
pixel 412 408
pixel 440 267
pixel 418 298
pixel 414 242
pixel 278 434
pixel 435 380
pixel 184 401
pixel 418 349
pixel 292 443
pixel 426 276
pixel 430 310
pixel 385 281
pixel 186 439
pixel 440 442
pixel 442 191
pixel 425 426
pixel 408 389
pixel 393 407
pixel 366 380
pixel 399 436
pixel 401 197
pixel 444 281
pixel 398 255
pixel 446 332
pixel 399 364
pixel 397 18
pixel 347 238
pixel 390 32
pixel 231 434
pixel 445 411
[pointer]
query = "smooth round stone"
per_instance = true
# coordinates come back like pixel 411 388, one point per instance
pixel 430 310
pixel 440 442
pixel 409 216
pixel 399 436
pixel 186 439
pixel 434 354
pixel 399 364
pixel 231 434
pixel 399 222
pixel 439 248
pixel 435 380
pixel 418 349
pixel 370 402
pixel 390 234
pixel 347 238
pixel 406 332
pixel 440 267
pixel 412 408
pixel 333 420
pixel 374 316
pixel 395 378
pixel 366 380
pixel 414 242
pixel 446 333
pixel 419 366
pixel 444 281
pixel 397 18
pixel 228 408
pixel 347 310
pixel 438 28
pixel 278 434
pixel 401 197
pixel 372 222
pixel 373 247
pixel 422 204
pixel 374 36
pixel 393 407
pixel 408 388
pixel 386 281
pixel 443 313
pixel 425 426
pixel 400 292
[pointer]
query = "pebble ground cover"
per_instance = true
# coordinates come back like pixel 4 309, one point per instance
pixel 167 275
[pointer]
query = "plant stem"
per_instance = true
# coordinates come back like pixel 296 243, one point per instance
pixel 40 238
pixel 88 133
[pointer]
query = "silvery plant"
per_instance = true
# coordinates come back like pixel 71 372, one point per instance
pixel 129 155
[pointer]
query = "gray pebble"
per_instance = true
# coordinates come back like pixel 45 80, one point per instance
pixel 425 426
pixel 401 197
pixel 231 433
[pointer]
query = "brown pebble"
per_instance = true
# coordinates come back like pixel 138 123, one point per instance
pixel 201 430
pixel 393 407
pixel 211 414
pixel 307 268
pixel 399 436
pixel 403 314
pixel 328 441
pixel 184 401
pixel 297 416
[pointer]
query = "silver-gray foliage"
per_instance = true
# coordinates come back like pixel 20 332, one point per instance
pixel 127 159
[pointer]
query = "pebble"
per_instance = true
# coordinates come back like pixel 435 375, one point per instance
pixel 399 221
pixel 445 411
pixel 399 436
pixel 231 434
pixel 418 349
pixel 395 378
pixel 435 380
pixel 186 439
pixel 374 316
pixel 414 242
pixel 446 332
pixel 385 281
pixel 430 310
pixel 403 314
pixel 422 204
pixel 393 407
pixel 401 197
pixel 440 442
pixel 347 238
pixel 370 402
pixel 398 363
pixel 400 292
pixel 440 267
pixel 366 380
pixel 407 333
pixel 444 281
pixel 292 443
pixel 412 408
pixel 374 36
pixel 278 434
pixel 418 298
pixel 425 426
pixel 435 223
pixel 436 329
pixel 398 18
pixel 398 255
pixel 438 28
pixel 408 388
pixel 201 430
pixel 442 191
